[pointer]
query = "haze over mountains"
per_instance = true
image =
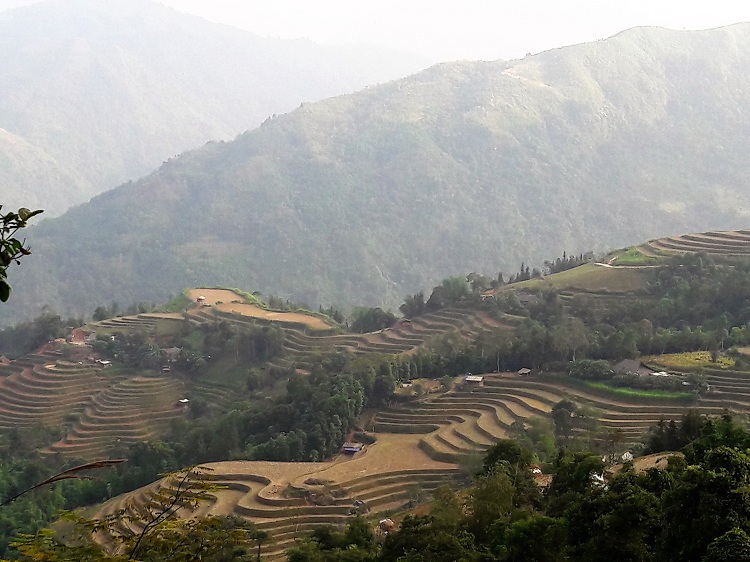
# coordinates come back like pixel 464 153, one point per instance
pixel 471 166
pixel 96 93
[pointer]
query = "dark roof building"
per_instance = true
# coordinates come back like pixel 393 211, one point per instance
pixel 350 447
pixel 631 366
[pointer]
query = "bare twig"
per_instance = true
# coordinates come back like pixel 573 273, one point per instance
pixel 71 473
pixel 166 512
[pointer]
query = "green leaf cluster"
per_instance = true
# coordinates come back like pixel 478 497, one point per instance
pixel 12 249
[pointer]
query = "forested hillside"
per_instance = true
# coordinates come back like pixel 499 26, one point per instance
pixel 471 166
pixel 95 93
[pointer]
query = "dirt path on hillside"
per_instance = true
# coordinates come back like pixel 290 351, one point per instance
pixel 610 266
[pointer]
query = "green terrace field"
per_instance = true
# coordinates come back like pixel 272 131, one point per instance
pixel 591 278
pixel 632 257
pixel 719 244
pixel 619 391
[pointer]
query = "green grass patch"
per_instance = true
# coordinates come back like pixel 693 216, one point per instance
pixel 631 395
pixel 227 371
pixel 112 330
pixel 633 256
pixel 168 326
pixel 230 372
pixel 249 297
pixel 178 304
pixel 116 370
pixel 689 361
pixel 511 319
pixel 638 393
pixel 591 278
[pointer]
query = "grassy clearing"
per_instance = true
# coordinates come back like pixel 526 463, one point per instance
pixel 691 360
pixel 592 278
pixel 637 393
pixel 615 393
pixel 116 370
pixel 178 304
pixel 229 372
pixel 168 327
pixel 422 386
pixel 248 297
pixel 633 256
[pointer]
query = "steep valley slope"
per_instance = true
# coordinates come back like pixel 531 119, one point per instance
pixel 104 92
pixel 469 166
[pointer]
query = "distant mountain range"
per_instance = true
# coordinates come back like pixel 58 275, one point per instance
pixel 472 166
pixel 95 93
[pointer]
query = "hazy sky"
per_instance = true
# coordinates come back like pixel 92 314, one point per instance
pixel 456 29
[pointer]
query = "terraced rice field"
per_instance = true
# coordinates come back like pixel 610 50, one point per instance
pixel 307 335
pixel 468 420
pixel 404 337
pixel 226 301
pixel 99 426
pixel 156 324
pixel 729 243
pixel 418 448
pixel 730 388
pixel 253 311
pixel 98 410
pixel 39 390
pixel 132 410
pixel 384 476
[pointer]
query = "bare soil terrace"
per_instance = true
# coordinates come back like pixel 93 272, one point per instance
pixel 383 476
pixel 221 299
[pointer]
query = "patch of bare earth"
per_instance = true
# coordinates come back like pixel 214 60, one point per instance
pixel 254 311
pixel 212 296
pixel 222 299
pixel 389 453
pixel 642 464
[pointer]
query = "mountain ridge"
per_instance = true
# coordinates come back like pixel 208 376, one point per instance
pixel 467 166
pixel 110 90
